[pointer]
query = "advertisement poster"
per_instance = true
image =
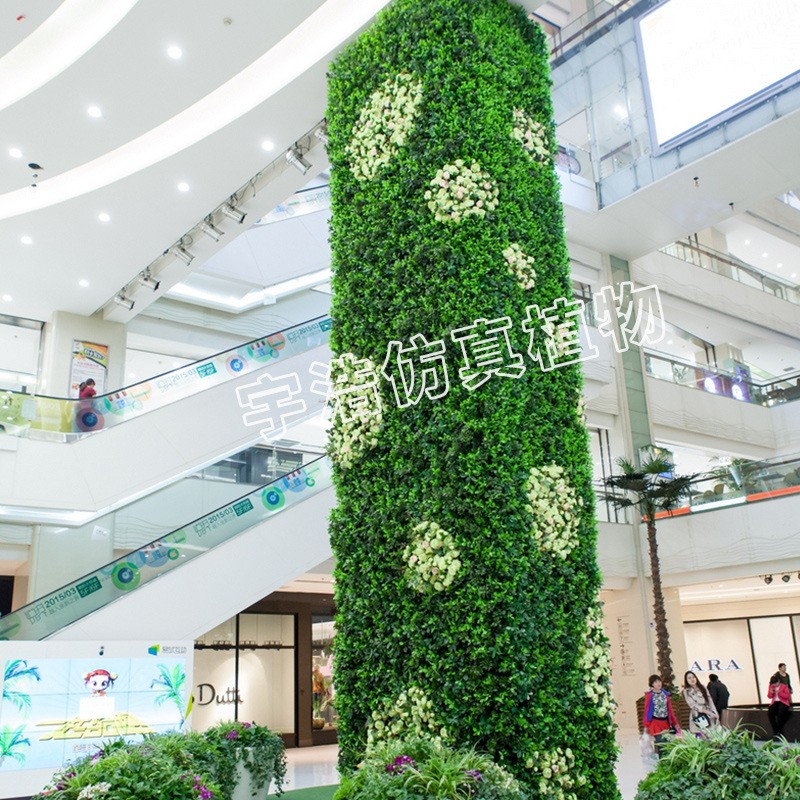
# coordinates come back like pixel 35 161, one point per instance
pixel 88 361
pixel 62 701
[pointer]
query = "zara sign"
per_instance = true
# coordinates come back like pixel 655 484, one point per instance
pixel 714 665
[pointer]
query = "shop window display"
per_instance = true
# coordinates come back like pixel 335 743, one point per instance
pixel 324 715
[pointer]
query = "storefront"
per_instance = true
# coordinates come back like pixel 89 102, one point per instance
pixel 271 664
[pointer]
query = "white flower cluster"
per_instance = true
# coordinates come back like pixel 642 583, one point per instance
pixel 595 661
pixel 555 769
pixel 410 715
pixel 354 430
pixel 581 408
pixel 383 125
pixel 555 508
pixel 532 135
pixel 432 558
pixel 521 265
pixel 461 190
pixel 94 790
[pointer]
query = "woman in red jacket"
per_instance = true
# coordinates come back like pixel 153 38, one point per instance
pixel 659 718
pixel 780 698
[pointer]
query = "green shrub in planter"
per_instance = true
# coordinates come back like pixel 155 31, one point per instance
pixel 723 765
pixel 175 766
pixel 466 577
pixel 419 768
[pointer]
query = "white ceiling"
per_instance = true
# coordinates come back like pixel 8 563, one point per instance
pixel 140 91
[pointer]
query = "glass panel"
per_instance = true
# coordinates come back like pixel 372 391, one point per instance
pixel 723 648
pixel 773 644
pixel 21 413
pixel 79 598
pixel 323 714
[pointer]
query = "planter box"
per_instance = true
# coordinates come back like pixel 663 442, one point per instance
pixel 244 787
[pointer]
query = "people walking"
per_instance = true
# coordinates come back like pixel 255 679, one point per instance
pixel 719 695
pixel 702 711
pixel 659 717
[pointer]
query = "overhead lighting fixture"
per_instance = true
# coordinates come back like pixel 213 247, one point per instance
pixel 26 240
pixel 295 158
pixel 267 145
pixel 183 186
pixel 15 152
pixel 104 217
pixel 768 579
pixel 94 112
pixel 786 578
pixel 7 298
pixel 146 279
pixel 174 52
pixel 322 134
pixel 123 301
pixel 210 229
pixel 229 210
pixel 83 283
pixel 179 251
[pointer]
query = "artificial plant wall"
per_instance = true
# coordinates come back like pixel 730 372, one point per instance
pixel 466 577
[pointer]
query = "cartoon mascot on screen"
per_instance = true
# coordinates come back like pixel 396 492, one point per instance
pixel 98 680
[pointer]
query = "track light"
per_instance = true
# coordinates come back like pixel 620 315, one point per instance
pixel 146 279
pixel 786 578
pixel 123 301
pixel 768 579
pixel 230 210
pixel 295 158
pixel 210 229
pixel 179 251
pixel 322 134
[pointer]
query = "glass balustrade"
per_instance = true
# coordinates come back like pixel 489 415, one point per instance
pixel 120 577
pixel 731 267
pixel 722 382
pixel 67 419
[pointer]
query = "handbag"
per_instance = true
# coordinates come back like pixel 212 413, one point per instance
pixel 702 720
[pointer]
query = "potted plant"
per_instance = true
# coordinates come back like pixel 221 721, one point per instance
pixel 318 707
pixel 248 756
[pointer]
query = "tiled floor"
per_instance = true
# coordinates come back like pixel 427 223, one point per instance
pixel 316 766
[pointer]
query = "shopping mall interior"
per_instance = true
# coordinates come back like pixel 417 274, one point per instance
pixel 164 211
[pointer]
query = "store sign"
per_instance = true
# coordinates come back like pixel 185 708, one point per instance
pixel 715 665
pixel 206 694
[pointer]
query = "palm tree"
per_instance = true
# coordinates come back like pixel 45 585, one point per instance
pixel 170 687
pixel 652 487
pixel 11 742
pixel 17 671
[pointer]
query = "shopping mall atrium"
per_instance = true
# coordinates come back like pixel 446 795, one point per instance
pixel 164 232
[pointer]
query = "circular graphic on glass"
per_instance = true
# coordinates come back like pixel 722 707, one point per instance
pixel 126 576
pixel 273 499
pixel 173 553
pixel 87 419
pixel 236 365
pixel 310 482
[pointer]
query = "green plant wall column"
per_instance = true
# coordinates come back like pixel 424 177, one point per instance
pixel 466 578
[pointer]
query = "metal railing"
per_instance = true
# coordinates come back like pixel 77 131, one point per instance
pixel 734 268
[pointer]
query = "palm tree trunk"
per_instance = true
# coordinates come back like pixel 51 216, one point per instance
pixel 663 650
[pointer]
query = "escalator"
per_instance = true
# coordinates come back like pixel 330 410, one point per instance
pixel 90 456
pixel 187 581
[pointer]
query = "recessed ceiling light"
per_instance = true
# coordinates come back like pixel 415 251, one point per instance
pixel 7 298
pixel 15 152
pixel 103 217
pixel 173 51
pixel 94 111
pixel 764 254
pixel 747 241
pixel 780 264
pixel 267 145
pixel 26 240
pixel 83 283
pixel 669 341
pixel 183 186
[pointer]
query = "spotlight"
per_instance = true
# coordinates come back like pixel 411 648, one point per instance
pixel 210 229
pixel 230 210
pixel 322 134
pixel 123 301
pixel 295 158
pixel 786 578
pixel 768 579
pixel 146 279
pixel 179 251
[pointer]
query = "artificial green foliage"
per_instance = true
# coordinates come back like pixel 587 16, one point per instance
pixel 461 222
pixel 418 768
pixel 175 766
pixel 723 764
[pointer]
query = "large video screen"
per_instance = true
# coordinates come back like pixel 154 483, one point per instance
pixel 708 60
